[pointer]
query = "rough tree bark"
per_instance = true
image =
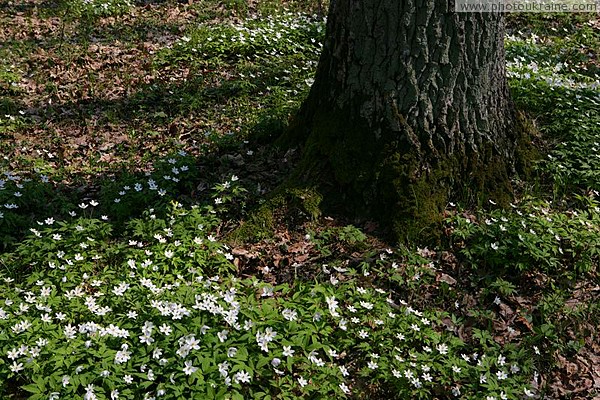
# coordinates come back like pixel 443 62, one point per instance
pixel 410 109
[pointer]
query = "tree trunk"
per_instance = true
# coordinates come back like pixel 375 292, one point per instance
pixel 410 109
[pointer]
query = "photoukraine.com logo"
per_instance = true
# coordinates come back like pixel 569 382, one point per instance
pixel 541 6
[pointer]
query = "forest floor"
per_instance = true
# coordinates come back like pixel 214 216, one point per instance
pixel 98 98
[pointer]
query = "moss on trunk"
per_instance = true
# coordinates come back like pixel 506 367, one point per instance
pixel 391 184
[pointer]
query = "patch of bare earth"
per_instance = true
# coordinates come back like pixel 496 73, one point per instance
pixel 82 93
pixel 578 376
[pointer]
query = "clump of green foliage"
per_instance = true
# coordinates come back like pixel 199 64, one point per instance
pixel 272 36
pixel 531 236
pixel 92 9
pixel 156 310
pixel 561 91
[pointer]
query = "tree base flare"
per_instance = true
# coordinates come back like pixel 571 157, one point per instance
pixel 392 183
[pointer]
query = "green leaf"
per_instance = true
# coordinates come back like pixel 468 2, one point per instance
pixel 262 362
pixel 31 388
pixel 205 364
pixel 237 396
pixel 242 354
